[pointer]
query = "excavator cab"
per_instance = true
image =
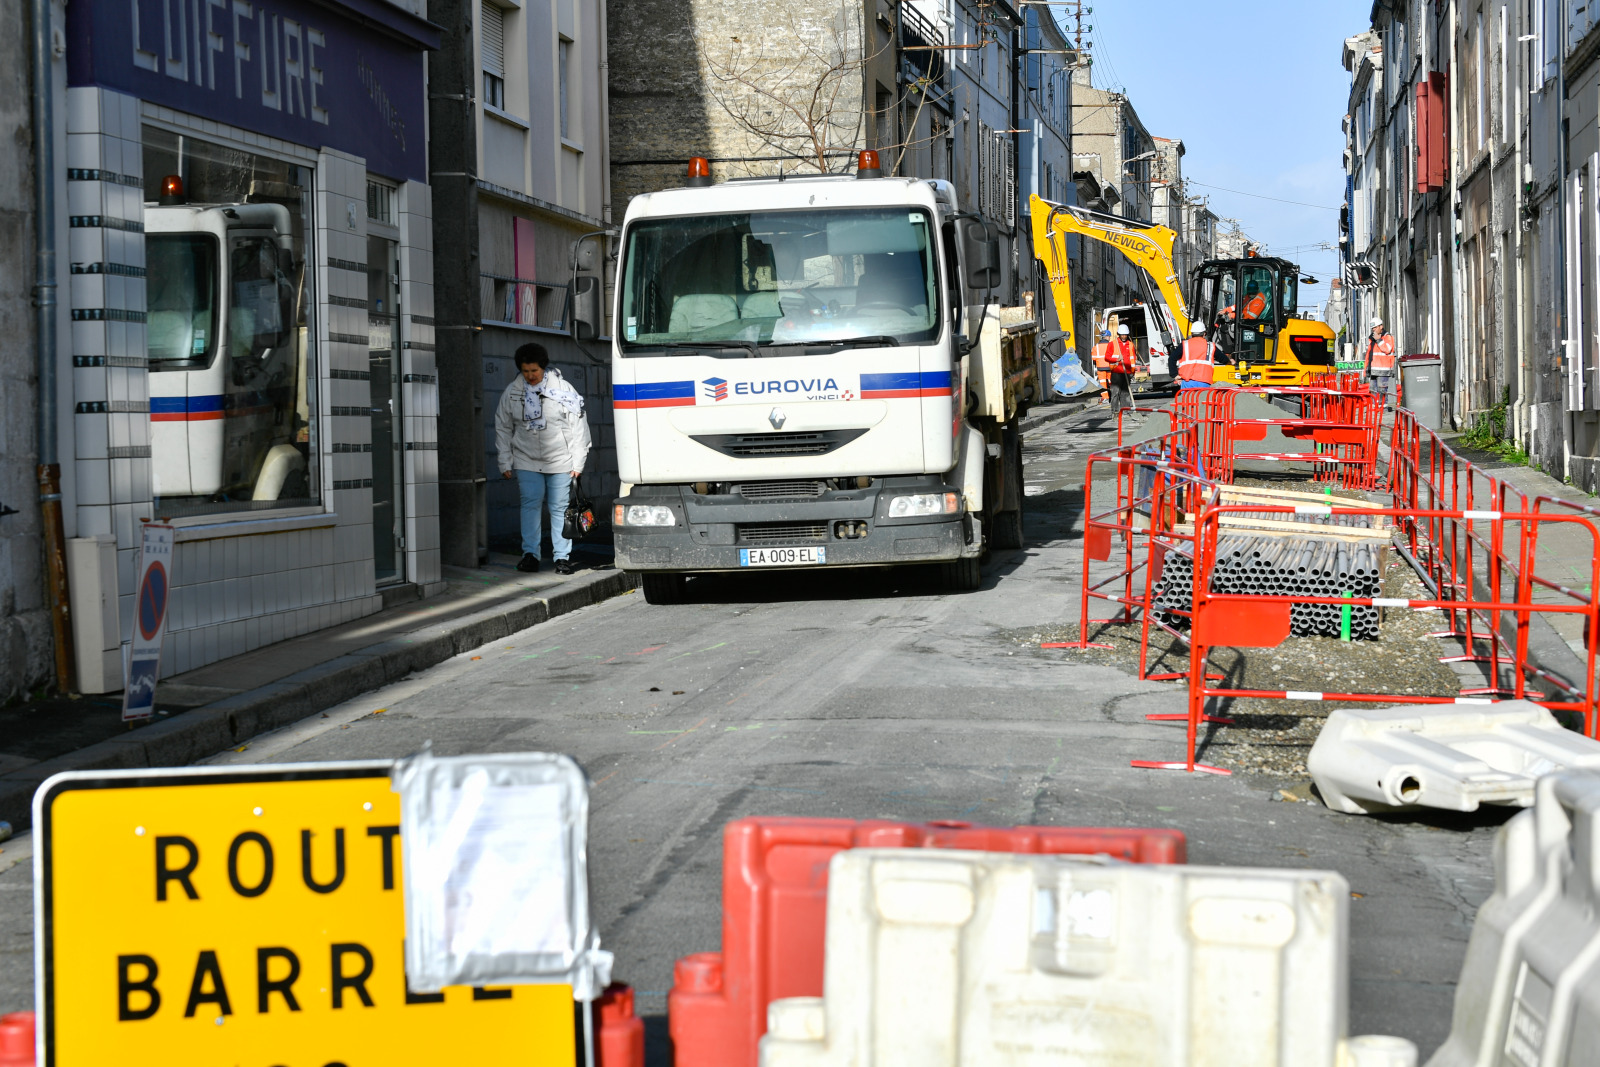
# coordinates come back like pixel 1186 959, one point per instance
pixel 1249 308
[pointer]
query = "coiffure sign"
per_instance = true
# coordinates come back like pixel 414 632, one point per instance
pixel 299 71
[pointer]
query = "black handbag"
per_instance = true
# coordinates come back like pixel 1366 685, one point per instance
pixel 580 514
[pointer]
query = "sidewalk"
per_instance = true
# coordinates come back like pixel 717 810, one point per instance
pixel 223 704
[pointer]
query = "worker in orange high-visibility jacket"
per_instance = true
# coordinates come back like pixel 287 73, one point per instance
pixel 1255 305
pixel 1123 362
pixel 1380 360
pixel 1102 368
pixel 1197 367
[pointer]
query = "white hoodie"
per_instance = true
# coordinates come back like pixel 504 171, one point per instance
pixel 563 444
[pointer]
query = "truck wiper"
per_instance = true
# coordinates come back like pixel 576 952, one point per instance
pixel 871 341
pixel 747 347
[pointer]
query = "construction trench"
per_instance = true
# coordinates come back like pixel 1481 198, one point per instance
pixel 1391 653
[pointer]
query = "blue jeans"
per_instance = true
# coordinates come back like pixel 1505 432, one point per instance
pixel 1383 385
pixel 537 490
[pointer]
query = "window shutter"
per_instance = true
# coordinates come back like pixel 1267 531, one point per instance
pixel 1010 148
pixel 493 25
pixel 983 169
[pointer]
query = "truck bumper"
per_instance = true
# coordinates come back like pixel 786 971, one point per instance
pixel 852 527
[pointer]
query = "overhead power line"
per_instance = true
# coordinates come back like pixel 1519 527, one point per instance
pixel 1259 196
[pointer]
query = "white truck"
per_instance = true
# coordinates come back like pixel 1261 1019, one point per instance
pixel 1152 345
pixel 228 404
pixel 808 373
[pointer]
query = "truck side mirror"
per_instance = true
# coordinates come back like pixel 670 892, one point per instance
pixel 586 318
pixel 980 253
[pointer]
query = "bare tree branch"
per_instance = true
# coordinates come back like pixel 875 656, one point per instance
pixel 800 91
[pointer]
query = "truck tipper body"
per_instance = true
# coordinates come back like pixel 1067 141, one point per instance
pixel 807 373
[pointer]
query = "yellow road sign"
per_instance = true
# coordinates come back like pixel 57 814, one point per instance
pixel 251 919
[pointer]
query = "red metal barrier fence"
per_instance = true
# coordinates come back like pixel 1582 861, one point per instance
pixel 1340 418
pixel 1473 538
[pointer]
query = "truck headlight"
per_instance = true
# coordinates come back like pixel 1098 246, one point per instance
pixel 903 507
pixel 644 515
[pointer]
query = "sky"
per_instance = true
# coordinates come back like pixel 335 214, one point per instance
pixel 1256 93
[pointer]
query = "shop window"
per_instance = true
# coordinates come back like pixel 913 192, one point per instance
pixel 380 202
pixel 230 329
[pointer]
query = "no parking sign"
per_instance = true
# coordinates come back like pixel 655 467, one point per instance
pixel 149 622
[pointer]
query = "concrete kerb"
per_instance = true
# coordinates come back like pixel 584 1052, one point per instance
pixel 229 722
pixel 1045 414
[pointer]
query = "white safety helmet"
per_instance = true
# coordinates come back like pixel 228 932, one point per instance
pixel 1197 330
pixel 1121 331
pixel 1377 320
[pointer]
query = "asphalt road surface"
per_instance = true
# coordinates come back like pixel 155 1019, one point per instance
pixel 875 695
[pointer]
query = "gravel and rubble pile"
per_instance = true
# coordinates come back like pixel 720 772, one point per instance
pixel 1271 738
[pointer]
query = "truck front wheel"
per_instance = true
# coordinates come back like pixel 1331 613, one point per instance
pixel 663 588
pixel 962 575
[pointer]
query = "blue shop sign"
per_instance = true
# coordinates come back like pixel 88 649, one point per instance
pixel 337 75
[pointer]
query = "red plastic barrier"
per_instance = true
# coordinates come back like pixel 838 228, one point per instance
pixel 619 1033
pixel 16 1039
pixel 774 909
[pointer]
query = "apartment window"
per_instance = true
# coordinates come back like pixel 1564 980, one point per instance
pixel 493 37
pixel 1482 86
pixel 564 81
pixel 1505 79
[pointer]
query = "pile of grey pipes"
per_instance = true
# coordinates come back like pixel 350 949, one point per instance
pixel 1283 566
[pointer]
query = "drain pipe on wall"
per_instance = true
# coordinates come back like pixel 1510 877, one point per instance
pixel 44 302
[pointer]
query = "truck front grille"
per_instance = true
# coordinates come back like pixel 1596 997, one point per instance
pixel 809 443
pixel 801 490
pixel 782 533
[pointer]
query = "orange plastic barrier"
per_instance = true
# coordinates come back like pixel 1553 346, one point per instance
pixel 774 907
pixel 619 1033
pixel 16 1039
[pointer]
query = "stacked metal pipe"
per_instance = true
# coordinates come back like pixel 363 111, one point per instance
pixel 1358 522
pixel 1283 566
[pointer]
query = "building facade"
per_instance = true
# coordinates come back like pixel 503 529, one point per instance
pixel 934 86
pixel 542 189
pixel 26 648
pixel 246 336
pixel 1471 144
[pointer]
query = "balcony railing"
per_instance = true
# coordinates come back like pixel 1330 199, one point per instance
pixel 509 301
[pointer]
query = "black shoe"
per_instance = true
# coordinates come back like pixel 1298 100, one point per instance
pixel 529 563
pixel 565 566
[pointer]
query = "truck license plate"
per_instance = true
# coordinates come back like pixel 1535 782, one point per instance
pixel 781 557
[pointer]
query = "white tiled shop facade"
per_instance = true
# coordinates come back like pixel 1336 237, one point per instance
pixel 243 580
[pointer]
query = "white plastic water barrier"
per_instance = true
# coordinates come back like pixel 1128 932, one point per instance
pixel 1529 992
pixel 1442 756
pixel 974 958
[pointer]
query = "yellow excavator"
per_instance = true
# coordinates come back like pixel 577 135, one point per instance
pixel 1248 305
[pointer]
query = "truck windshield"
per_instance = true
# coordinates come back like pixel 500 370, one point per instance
pixel 775 278
pixel 181 327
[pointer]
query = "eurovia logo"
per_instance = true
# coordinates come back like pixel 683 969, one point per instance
pixel 716 388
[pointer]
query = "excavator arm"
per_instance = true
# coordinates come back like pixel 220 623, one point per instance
pixel 1148 246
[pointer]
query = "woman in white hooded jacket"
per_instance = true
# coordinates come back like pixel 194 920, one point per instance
pixel 542 436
